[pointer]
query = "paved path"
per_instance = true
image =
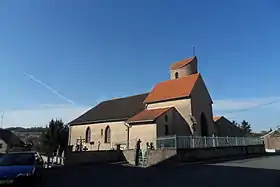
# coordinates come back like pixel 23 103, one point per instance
pixel 262 171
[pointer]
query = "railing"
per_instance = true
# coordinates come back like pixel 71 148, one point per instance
pixel 184 142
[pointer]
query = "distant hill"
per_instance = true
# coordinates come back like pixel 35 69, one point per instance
pixel 31 129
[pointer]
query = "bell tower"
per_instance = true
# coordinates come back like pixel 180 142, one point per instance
pixel 183 68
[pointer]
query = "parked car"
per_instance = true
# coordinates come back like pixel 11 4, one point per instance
pixel 22 168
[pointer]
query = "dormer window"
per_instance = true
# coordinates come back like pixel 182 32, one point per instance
pixel 176 75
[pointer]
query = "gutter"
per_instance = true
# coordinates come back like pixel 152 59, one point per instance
pixel 141 121
pixel 97 121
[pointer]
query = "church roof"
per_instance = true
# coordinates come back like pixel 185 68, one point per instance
pixel 173 89
pixel 148 115
pixel 182 63
pixel 112 110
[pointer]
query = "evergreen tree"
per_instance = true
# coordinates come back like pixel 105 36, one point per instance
pixel 246 127
pixel 55 139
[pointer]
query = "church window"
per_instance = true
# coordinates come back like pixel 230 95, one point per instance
pixel 107 138
pixel 166 118
pixel 166 131
pixel 101 132
pixel 88 135
pixel 176 75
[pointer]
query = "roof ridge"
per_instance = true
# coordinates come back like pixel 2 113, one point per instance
pixel 114 109
pixel 180 78
pixel 124 97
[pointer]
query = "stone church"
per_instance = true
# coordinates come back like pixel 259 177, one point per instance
pixel 181 106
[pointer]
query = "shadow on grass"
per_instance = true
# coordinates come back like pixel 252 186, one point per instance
pixel 196 175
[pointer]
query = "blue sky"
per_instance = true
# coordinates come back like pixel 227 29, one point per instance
pixel 89 51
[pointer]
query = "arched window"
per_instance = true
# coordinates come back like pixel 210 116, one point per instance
pixel 88 135
pixel 176 75
pixel 101 132
pixel 166 118
pixel 107 138
pixel 166 131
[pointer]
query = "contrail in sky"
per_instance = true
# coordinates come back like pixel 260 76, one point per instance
pixel 49 88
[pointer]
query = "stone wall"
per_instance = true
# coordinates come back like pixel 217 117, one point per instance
pixel 161 156
pixel 185 155
pixel 129 156
pixel 158 156
pixel 91 157
pixel 172 156
pixel 272 141
pixel 154 156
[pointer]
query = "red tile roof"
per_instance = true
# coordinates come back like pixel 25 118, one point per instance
pixel 148 115
pixel 172 89
pixel 182 63
pixel 216 118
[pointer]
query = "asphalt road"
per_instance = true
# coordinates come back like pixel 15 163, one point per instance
pixel 262 171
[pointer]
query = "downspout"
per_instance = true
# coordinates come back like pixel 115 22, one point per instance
pixel 127 136
pixel 69 135
pixel 127 143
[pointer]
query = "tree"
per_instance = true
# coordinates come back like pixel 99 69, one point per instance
pixel 63 140
pixel 246 127
pixel 235 123
pixel 55 138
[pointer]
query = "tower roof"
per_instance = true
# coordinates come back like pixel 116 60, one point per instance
pixel 182 63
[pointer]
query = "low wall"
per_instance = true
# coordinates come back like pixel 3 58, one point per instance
pixel 171 156
pixel 162 156
pixel 154 156
pixel 91 157
pixel 272 141
pixel 129 156
pixel 157 156
pixel 186 155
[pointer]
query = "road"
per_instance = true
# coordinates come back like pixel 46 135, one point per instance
pixel 262 171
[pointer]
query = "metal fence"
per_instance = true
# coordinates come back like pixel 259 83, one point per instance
pixel 183 142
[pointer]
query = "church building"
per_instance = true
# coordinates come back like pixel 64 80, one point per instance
pixel 180 106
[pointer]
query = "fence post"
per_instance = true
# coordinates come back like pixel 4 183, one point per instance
pixel 175 141
pixel 228 141
pixel 213 141
pixel 193 141
pixel 205 141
